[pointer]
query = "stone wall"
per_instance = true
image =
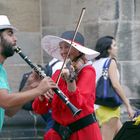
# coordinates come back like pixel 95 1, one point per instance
pixel 25 15
pixel 36 18
pixel 119 18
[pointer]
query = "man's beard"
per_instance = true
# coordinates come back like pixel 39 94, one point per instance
pixel 7 48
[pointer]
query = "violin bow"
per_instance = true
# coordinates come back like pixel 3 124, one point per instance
pixel 75 33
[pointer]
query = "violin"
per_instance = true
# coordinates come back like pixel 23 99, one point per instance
pixel 74 67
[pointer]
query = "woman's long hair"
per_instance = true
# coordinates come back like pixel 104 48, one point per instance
pixel 103 45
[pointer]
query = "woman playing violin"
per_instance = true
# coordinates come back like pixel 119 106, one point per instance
pixel 77 82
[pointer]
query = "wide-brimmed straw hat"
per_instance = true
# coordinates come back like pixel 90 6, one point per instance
pixel 5 23
pixel 51 45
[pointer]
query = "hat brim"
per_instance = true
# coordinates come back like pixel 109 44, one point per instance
pixel 51 45
pixel 8 27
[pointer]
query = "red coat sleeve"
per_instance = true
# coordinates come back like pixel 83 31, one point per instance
pixel 41 107
pixel 85 92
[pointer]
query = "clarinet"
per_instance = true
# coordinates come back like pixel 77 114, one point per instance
pixel 75 111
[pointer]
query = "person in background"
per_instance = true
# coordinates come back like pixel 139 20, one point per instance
pixel 11 102
pixel 109 118
pixel 55 64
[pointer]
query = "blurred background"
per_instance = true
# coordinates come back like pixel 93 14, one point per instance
pixel 37 18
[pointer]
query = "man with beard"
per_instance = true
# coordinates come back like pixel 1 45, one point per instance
pixel 9 103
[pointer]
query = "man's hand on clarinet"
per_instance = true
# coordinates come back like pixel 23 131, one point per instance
pixel 45 87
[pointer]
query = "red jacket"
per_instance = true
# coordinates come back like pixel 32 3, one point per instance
pixel 83 98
